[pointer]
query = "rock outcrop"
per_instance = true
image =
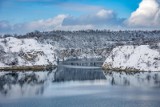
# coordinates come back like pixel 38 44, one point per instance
pixel 25 52
pixel 134 58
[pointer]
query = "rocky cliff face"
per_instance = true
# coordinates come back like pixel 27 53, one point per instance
pixel 45 48
pixel 134 58
pixel 25 52
pixel 32 51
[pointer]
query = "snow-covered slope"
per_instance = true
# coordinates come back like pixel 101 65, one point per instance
pixel 134 58
pixel 25 52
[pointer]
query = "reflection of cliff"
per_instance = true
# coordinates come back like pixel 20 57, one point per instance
pixel 70 74
pixel 82 69
pixel 143 79
pixel 24 83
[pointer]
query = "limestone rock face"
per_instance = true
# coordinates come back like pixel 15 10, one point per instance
pixel 134 58
pixel 25 52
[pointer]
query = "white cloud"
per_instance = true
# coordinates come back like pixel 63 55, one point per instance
pixel 105 13
pixel 147 15
pixel 54 23
pixel 4 26
pixel 102 17
pixel 41 25
pixel 48 24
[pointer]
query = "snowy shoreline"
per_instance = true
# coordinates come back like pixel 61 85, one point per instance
pixel 28 68
pixel 134 58
pixel 106 68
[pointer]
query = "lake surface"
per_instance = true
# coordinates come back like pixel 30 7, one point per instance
pixel 79 83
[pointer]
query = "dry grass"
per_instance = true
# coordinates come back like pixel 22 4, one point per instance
pixel 28 68
pixel 108 68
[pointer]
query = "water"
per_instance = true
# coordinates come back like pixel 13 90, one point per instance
pixel 79 84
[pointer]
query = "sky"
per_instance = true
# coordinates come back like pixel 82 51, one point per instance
pixel 22 16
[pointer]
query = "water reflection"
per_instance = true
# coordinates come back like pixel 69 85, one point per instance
pixel 73 74
pixel 17 84
pixel 142 79
pixel 29 84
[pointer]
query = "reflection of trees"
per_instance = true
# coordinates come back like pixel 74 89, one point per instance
pixel 113 81
pixel 135 79
pixel 156 78
pixel 126 82
pixel 22 82
pixel 72 74
pixel 148 77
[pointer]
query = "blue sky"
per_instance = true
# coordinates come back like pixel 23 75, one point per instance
pixel 28 10
pixel 26 13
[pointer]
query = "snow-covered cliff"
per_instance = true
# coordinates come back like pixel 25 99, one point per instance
pixel 25 52
pixel 134 58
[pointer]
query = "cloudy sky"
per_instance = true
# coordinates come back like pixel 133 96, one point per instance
pixel 21 16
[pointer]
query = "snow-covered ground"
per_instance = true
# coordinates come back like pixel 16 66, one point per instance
pixel 134 58
pixel 25 52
